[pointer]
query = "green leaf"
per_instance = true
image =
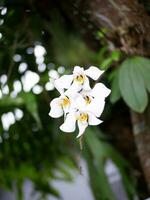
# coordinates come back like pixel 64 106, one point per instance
pixel 115 90
pixel 31 105
pixel 9 101
pixel 46 188
pixel 106 63
pixel 101 151
pixel 115 55
pixel 144 67
pixel 132 85
pixel 99 181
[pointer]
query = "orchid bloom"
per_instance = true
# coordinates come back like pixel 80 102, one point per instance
pixel 59 106
pixel 89 106
pixel 93 100
pixel 83 119
pixel 78 80
pixel 77 101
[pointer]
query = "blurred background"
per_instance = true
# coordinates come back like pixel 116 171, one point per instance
pixel 42 40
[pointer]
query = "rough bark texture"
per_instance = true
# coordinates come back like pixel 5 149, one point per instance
pixel 125 22
pixel 141 130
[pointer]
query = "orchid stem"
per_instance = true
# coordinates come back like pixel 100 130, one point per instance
pixel 80 155
pixel 81 143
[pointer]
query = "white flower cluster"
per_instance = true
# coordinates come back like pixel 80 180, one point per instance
pixel 77 101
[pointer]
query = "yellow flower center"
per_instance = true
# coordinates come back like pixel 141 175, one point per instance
pixel 65 102
pixel 80 78
pixel 83 117
pixel 87 99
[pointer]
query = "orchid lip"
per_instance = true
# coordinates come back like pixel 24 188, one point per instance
pixel 65 101
pixel 83 117
pixel 79 78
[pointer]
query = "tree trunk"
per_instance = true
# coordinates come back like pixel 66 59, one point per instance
pixel 125 23
pixel 141 131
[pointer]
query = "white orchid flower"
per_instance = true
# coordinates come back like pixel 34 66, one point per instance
pixel 59 106
pixel 93 100
pixel 78 80
pixel 83 119
pixel 79 103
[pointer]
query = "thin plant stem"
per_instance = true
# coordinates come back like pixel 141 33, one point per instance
pixel 81 143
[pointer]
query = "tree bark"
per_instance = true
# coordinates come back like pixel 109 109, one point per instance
pixel 141 131
pixel 125 23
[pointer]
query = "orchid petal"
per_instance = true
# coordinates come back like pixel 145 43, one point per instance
pixel 100 90
pixel 80 102
pixel 96 107
pixel 58 87
pixel 63 82
pixel 69 124
pixel 93 120
pixel 82 126
pixel 56 110
pixel 78 69
pixel 94 72
pixel 86 84
pixel 66 109
pixel 73 89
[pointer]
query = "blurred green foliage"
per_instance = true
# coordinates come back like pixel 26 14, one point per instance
pixel 101 151
pixel 34 147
